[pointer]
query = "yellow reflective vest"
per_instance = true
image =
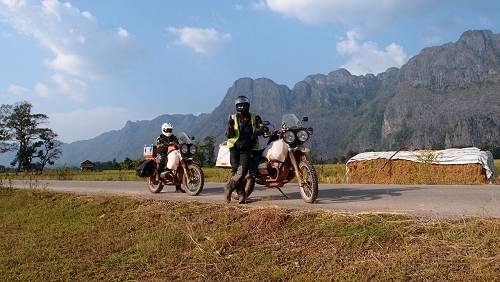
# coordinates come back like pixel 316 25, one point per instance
pixel 232 141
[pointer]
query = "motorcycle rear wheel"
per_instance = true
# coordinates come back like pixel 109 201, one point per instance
pixel 154 188
pixel 197 180
pixel 309 187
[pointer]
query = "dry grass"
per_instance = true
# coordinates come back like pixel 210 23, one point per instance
pixel 50 236
pixel 383 171
pixel 327 173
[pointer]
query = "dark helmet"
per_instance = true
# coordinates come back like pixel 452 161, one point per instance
pixel 242 104
pixel 241 100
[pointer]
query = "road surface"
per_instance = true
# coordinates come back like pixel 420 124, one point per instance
pixel 430 201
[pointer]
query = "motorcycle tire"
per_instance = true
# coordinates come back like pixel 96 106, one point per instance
pixel 197 180
pixel 154 188
pixel 309 187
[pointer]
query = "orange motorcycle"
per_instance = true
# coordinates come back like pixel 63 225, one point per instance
pixel 181 171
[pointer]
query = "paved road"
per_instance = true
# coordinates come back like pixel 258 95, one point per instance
pixel 434 201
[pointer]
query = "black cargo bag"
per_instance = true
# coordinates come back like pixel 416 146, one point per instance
pixel 145 168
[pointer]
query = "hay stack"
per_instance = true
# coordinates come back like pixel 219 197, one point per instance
pixel 384 171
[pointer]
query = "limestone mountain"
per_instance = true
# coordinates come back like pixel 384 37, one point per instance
pixel 443 97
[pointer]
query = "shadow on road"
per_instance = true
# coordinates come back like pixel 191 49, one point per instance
pixel 326 195
pixel 339 195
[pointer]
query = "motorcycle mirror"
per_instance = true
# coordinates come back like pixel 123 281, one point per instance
pixel 266 123
pixel 305 119
pixel 192 138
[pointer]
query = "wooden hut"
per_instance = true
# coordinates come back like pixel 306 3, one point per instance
pixel 88 166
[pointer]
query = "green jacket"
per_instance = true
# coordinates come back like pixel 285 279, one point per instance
pixel 233 139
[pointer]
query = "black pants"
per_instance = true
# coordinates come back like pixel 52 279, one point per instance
pixel 254 161
pixel 162 164
pixel 240 163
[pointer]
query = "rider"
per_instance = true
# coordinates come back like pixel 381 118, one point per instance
pixel 165 141
pixel 242 131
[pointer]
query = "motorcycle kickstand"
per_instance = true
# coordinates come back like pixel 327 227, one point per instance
pixel 284 195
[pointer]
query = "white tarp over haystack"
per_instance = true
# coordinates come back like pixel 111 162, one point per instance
pixel 449 156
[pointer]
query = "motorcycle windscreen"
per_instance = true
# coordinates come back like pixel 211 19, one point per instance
pixel 184 138
pixel 276 151
pixel 223 157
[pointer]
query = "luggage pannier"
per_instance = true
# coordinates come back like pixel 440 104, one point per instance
pixel 145 168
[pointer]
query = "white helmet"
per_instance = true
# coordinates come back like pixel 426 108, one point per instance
pixel 166 129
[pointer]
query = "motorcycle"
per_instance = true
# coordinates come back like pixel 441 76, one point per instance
pixel 185 175
pixel 284 159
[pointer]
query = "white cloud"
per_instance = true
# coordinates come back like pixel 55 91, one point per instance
pixel 367 57
pixel 84 124
pixel 17 89
pixel 123 33
pixel 201 40
pixel 68 63
pixel 71 87
pixel 88 15
pixel 41 90
pixel 79 46
pixel 14 4
pixel 81 50
pixel 343 11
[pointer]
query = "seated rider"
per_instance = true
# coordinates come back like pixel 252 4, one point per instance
pixel 165 141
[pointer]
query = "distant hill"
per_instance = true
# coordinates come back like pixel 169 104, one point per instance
pixel 443 97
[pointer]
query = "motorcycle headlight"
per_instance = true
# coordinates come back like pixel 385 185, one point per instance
pixel 184 149
pixel 302 135
pixel 289 137
pixel 192 150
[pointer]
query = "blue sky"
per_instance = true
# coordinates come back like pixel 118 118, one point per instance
pixel 93 65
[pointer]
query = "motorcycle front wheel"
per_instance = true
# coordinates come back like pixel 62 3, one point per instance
pixel 154 188
pixel 309 187
pixel 196 180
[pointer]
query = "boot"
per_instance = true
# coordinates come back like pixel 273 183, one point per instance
pixel 157 177
pixel 242 196
pixel 178 189
pixel 228 189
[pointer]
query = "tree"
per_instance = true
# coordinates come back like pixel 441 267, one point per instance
pixel 21 130
pixel 129 164
pixel 5 133
pixel 209 150
pixel 199 156
pixel 349 155
pixel 50 148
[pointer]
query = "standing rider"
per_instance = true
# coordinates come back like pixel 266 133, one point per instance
pixel 242 132
pixel 165 143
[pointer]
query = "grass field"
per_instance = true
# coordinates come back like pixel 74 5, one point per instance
pixel 49 236
pixel 327 173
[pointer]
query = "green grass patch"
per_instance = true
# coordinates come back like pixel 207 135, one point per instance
pixel 53 236
pixel 330 173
